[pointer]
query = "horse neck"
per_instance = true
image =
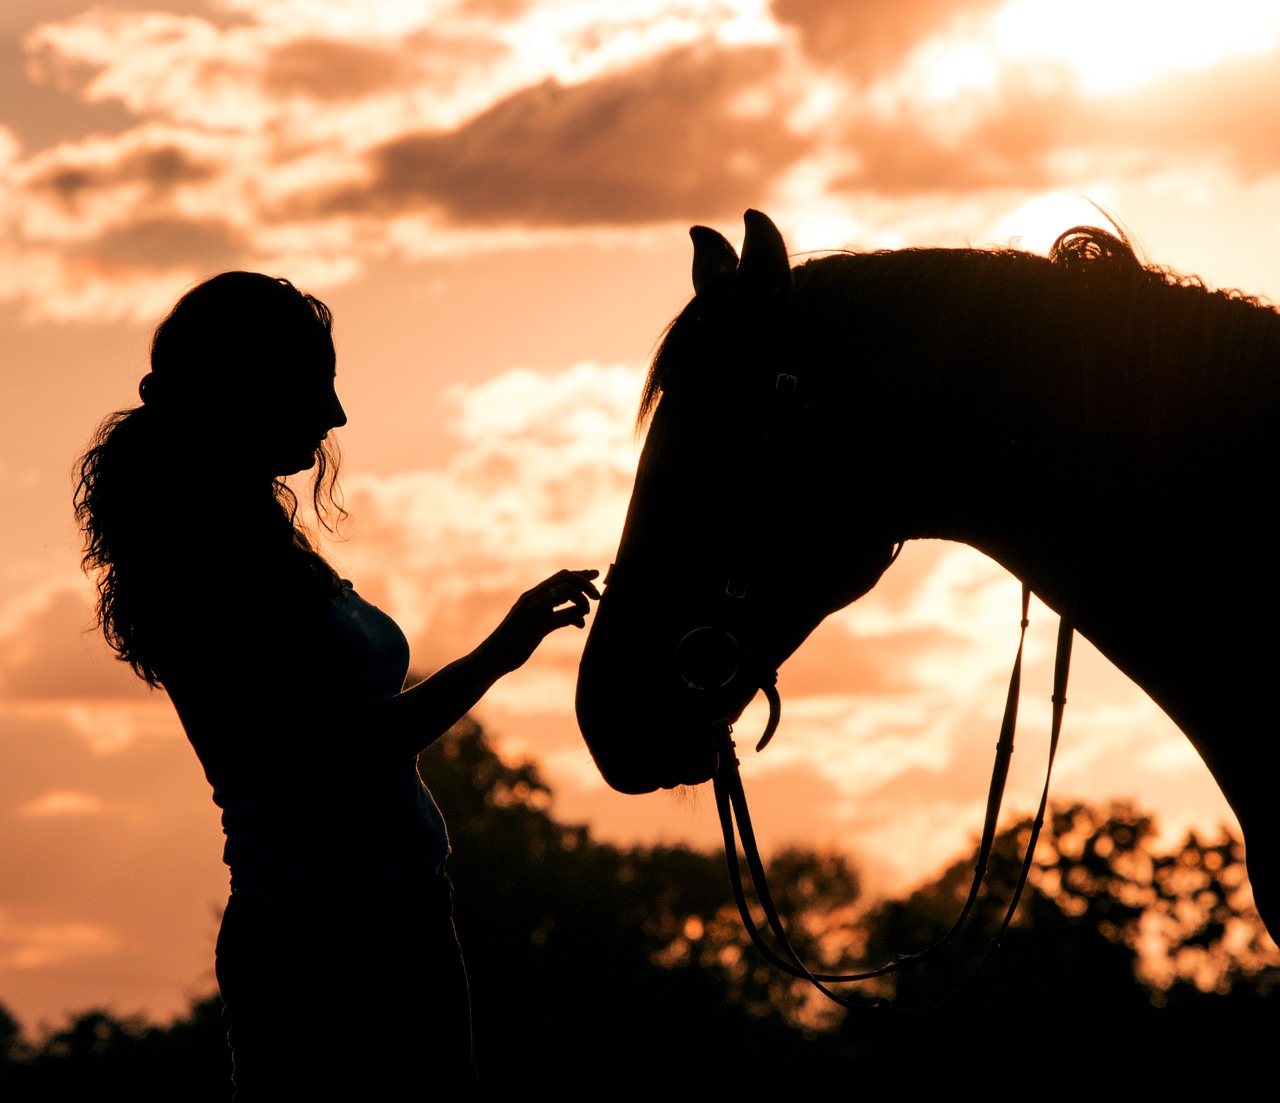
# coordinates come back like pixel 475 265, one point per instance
pixel 995 467
pixel 1062 452
pixel 1123 474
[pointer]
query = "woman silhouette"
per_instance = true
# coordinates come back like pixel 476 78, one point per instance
pixel 337 959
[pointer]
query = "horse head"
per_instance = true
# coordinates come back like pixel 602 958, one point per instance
pixel 736 543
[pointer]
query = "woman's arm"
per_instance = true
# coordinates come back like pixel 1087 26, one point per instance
pixel 417 717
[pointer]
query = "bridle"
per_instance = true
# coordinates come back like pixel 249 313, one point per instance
pixel 710 658
pixel 735 819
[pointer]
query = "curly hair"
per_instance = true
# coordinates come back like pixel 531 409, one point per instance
pixel 1092 289
pixel 133 481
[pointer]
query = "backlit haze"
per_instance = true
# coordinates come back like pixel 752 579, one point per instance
pixel 494 198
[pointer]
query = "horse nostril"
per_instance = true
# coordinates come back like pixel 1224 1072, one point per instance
pixel 707 658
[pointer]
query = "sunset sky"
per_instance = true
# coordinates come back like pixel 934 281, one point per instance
pixel 494 198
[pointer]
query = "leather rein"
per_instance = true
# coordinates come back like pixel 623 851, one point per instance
pixel 731 803
pixel 716 659
pixel 707 679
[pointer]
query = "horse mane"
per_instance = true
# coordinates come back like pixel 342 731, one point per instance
pixel 1091 290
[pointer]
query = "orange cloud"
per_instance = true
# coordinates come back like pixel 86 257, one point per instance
pixel 40 945
pixel 663 140
pixel 539 480
pixel 1228 113
pixel 330 71
pixel 103 854
pixel 50 652
pixel 321 145
pixel 154 169
pixel 270 144
pixel 866 41
pixel 62 802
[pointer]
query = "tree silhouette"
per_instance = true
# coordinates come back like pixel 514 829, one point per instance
pixel 98 1053
pixel 1109 939
pixel 597 967
pixel 599 954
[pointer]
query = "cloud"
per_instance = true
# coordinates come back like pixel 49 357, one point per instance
pixel 876 664
pixel 156 64
pixel 902 157
pixel 1228 113
pixel 49 651
pixel 1037 134
pixel 320 144
pixel 170 243
pixel 388 18
pixel 61 802
pixel 677 137
pixel 869 40
pixel 145 201
pixel 108 226
pixel 109 869
pixel 155 166
pixel 37 946
pixel 10 151
pixel 539 480
pixel 324 70
pixel 977 99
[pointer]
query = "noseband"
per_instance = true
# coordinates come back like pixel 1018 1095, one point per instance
pixel 708 659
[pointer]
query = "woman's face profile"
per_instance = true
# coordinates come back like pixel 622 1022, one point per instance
pixel 250 357
pixel 289 414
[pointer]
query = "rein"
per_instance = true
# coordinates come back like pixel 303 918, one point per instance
pixel 731 804
pixel 709 658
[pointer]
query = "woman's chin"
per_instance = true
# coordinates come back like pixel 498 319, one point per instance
pixel 284 468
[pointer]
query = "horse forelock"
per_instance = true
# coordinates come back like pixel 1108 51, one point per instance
pixel 655 377
pixel 1092 292
pixel 674 356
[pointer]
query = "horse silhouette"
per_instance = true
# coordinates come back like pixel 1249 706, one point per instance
pixel 1104 430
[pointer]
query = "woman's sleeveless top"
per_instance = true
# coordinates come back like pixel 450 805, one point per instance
pixel 313 803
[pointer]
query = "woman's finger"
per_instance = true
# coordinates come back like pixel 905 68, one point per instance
pixel 575 582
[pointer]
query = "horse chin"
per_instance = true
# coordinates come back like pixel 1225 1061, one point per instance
pixel 637 766
pixel 649 778
pixel 693 776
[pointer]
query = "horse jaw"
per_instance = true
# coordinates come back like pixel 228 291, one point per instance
pixel 645 725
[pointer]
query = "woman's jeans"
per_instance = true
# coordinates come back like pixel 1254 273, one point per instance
pixel 362 997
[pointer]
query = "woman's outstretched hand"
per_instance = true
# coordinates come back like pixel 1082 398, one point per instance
pixel 564 598
pixel 420 715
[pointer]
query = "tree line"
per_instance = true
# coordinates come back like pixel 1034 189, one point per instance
pixel 595 967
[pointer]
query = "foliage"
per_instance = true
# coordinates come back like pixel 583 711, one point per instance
pixel 1113 945
pixel 597 965
pixel 97 1054
pixel 596 953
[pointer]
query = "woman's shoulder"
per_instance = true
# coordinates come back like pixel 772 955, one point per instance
pixel 237 619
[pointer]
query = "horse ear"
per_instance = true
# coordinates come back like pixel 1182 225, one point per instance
pixel 765 270
pixel 712 256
